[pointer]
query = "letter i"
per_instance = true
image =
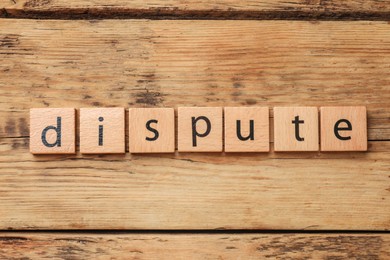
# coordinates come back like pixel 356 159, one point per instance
pixel 101 119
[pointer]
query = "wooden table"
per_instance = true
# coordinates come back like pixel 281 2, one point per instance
pixel 94 53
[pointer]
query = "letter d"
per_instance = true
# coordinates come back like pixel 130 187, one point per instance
pixel 58 131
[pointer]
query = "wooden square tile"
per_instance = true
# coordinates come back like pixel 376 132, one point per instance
pixel 246 129
pixel 102 130
pixel 152 130
pixel 344 128
pixel 200 129
pixel 52 131
pixel 296 129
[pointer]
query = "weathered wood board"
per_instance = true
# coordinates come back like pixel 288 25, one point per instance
pixel 145 63
pixel 211 9
pixel 194 246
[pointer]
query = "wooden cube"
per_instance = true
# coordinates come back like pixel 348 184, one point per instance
pixel 102 130
pixel 200 129
pixel 344 128
pixel 296 129
pixel 246 129
pixel 152 130
pixel 52 131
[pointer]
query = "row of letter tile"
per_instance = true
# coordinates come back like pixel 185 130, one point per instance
pixel 200 129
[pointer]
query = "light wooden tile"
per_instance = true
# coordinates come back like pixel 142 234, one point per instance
pixel 296 129
pixel 102 130
pixel 152 130
pixel 200 129
pixel 52 131
pixel 246 129
pixel 344 128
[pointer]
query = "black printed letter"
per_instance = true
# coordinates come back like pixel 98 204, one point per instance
pixel 251 131
pixel 156 134
pixel 101 119
pixel 337 129
pixel 195 132
pixel 55 128
pixel 297 122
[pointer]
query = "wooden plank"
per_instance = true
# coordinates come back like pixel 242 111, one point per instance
pixel 334 9
pixel 193 63
pixel 194 246
pixel 195 191
pixel 283 63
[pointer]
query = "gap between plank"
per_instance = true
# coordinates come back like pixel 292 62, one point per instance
pixel 194 231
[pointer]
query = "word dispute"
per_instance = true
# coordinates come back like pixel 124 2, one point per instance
pixel 199 129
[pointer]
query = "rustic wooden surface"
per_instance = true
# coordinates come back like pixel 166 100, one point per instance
pixel 194 246
pixel 141 63
pixel 211 9
pixel 229 63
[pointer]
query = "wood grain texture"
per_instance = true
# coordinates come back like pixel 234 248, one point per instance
pixel 195 191
pixel 194 63
pixel 80 63
pixel 194 246
pixel 215 9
